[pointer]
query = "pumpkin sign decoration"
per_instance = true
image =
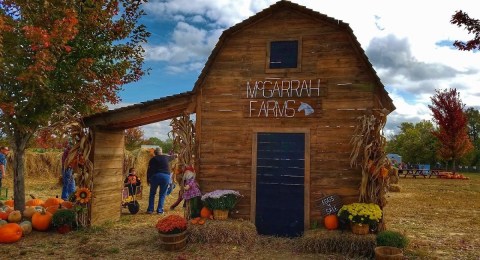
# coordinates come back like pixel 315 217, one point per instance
pixel 10 233
pixel 331 222
pixel 41 220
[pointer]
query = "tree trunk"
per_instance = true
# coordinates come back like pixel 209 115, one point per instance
pixel 20 141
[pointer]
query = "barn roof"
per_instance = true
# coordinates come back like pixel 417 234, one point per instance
pixel 283 4
pixel 143 113
pixel 171 106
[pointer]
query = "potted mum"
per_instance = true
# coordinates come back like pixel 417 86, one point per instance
pixel 361 216
pixel 221 202
pixel 173 232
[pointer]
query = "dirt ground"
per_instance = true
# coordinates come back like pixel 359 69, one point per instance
pixel 440 217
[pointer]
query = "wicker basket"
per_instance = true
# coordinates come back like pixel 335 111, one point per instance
pixel 360 229
pixel 220 214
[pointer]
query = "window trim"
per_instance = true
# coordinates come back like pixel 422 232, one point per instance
pixel 280 70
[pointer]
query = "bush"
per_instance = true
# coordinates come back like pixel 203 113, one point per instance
pixel 391 238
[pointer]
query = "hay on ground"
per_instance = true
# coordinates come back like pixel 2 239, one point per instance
pixel 230 231
pixel 334 241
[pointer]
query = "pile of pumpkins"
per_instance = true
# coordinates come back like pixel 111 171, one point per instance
pixel 37 215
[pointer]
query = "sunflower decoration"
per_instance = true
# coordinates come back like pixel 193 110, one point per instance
pixel 83 195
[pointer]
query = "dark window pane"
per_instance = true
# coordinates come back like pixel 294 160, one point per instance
pixel 283 54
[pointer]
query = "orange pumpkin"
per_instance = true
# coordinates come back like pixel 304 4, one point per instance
pixel 53 209
pixel 205 212
pixel 52 202
pixel 4 215
pixel 10 233
pixel 9 203
pixel 34 202
pixel 331 222
pixel 41 220
pixel 67 204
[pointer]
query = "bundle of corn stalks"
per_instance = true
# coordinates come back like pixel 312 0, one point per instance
pixel 369 153
pixel 69 122
pixel 183 136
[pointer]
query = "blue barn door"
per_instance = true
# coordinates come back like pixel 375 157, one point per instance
pixel 280 184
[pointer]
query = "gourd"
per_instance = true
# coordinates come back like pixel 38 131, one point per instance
pixel 205 212
pixel 3 222
pixel 26 227
pixel 41 220
pixel 52 202
pixel 34 201
pixel 29 211
pixel 4 212
pixel 10 233
pixel 331 222
pixel 15 216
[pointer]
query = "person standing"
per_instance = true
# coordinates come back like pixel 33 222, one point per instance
pixel 68 180
pixel 3 163
pixel 158 175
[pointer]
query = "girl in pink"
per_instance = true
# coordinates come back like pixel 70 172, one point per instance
pixel 192 194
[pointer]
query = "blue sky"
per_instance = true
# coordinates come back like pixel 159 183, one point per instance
pixel 408 43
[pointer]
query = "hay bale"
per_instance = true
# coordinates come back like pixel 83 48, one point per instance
pixel 334 241
pixel 394 188
pixel 230 231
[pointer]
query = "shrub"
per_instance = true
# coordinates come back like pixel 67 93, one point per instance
pixel 391 238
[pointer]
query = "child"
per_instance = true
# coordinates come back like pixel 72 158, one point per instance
pixel 191 194
pixel 132 181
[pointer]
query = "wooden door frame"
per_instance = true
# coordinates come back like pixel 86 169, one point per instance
pixel 306 194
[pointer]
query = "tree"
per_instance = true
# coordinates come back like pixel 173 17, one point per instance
pixel 133 138
pixel 63 52
pixel 166 145
pixel 415 143
pixel 448 114
pixel 474 134
pixel 472 25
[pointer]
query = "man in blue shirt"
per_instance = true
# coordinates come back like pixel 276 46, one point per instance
pixel 3 163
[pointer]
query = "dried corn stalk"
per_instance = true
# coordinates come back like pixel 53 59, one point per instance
pixel 369 153
pixel 183 136
pixel 69 122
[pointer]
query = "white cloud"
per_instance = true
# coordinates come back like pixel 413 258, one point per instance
pixel 159 130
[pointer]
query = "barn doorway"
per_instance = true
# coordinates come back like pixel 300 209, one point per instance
pixel 280 184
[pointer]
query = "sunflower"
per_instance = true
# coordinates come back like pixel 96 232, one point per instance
pixel 83 195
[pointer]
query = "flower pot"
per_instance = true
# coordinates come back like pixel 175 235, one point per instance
pixel 388 253
pixel 220 214
pixel 173 242
pixel 360 229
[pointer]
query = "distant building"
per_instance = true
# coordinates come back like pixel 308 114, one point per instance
pixel 394 156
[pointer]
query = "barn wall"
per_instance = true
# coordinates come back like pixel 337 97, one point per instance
pixel 107 175
pixel 225 132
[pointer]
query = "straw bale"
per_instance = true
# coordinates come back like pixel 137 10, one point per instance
pixel 230 231
pixel 334 241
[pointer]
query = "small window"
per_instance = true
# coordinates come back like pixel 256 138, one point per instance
pixel 283 55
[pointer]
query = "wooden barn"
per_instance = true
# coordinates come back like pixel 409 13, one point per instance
pixel 276 106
